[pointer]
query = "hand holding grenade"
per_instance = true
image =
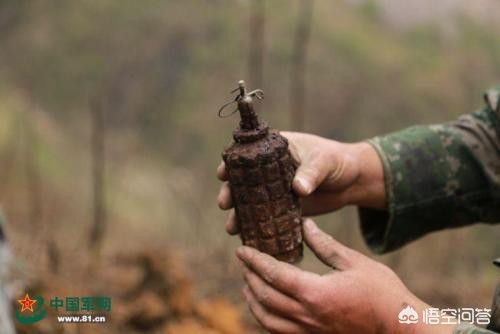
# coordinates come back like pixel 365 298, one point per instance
pixel 261 170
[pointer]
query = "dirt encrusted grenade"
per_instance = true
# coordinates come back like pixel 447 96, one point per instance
pixel 261 170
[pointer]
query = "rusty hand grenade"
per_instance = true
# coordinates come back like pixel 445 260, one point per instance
pixel 261 170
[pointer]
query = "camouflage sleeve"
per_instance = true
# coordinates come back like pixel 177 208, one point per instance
pixel 471 329
pixel 437 177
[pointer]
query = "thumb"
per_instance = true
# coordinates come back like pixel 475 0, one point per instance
pixel 328 250
pixel 312 171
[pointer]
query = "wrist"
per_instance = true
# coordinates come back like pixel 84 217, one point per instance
pixel 442 328
pixel 420 327
pixel 368 190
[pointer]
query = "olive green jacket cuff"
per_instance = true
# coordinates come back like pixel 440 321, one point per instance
pixel 471 329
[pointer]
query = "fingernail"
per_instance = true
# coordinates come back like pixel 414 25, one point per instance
pixel 310 225
pixel 223 200
pixel 240 252
pixel 230 228
pixel 304 185
pixel 220 169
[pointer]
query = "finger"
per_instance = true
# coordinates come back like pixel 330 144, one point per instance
pixel 323 202
pixel 292 148
pixel 232 224
pixel 272 299
pixel 222 172
pixel 282 276
pixel 313 170
pixel 268 320
pixel 224 198
pixel 327 249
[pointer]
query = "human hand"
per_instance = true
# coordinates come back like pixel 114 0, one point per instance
pixel 330 175
pixel 359 295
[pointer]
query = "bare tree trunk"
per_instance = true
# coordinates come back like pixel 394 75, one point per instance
pixel 98 178
pixel 256 44
pixel 6 282
pixel 33 178
pixel 34 186
pixel 298 69
pixel 9 158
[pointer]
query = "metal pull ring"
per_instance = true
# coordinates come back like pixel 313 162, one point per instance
pixel 221 114
pixel 257 93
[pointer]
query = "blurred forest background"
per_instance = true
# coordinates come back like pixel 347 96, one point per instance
pixel 109 139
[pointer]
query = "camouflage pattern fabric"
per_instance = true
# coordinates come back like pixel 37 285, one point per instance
pixel 471 329
pixel 495 312
pixel 437 177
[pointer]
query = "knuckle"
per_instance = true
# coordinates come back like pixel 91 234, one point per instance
pixel 324 242
pixel 303 285
pixel 333 260
pixel 273 330
pixel 265 320
pixel 384 269
pixel 325 247
pixel 250 256
pixel 271 272
pixel 309 296
pixel 309 321
pixel 314 298
pixel 253 308
pixel 311 171
pixel 262 294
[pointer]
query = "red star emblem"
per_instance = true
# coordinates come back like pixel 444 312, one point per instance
pixel 26 303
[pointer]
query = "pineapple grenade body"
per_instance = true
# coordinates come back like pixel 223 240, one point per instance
pixel 261 170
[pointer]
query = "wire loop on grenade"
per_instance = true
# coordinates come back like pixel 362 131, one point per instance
pixel 221 115
pixel 258 93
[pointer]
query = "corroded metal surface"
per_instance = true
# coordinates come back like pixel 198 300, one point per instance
pixel 261 171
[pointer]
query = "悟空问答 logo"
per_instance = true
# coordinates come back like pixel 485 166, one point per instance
pixel 30 310
pixel 408 316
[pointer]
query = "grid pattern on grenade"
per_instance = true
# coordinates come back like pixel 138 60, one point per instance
pixel 294 254
pixel 267 210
